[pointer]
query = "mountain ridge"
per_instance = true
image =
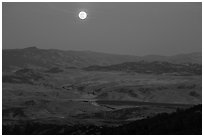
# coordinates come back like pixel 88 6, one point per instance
pixel 44 58
pixel 90 51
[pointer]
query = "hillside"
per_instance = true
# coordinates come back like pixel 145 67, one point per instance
pixel 182 122
pixel 41 58
pixel 13 59
pixel 151 68
pixel 194 57
pixel 84 92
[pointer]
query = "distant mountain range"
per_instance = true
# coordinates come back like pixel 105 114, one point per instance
pixel 13 59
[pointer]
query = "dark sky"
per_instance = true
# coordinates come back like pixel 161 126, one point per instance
pixel 122 28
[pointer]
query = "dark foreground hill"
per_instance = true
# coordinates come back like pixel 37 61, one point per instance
pixel 181 122
pixel 13 59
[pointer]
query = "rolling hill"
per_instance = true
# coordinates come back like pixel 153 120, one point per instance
pixel 13 59
pixel 72 90
pixel 151 68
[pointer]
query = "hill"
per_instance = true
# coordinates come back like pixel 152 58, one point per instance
pixel 151 68
pixel 182 122
pixel 13 59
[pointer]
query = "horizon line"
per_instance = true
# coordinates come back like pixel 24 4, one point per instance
pixel 193 52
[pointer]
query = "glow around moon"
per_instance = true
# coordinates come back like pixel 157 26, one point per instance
pixel 82 15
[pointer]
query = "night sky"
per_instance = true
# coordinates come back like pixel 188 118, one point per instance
pixel 121 28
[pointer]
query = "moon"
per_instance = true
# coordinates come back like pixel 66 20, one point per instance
pixel 82 15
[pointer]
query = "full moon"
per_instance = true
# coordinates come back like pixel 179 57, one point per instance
pixel 82 15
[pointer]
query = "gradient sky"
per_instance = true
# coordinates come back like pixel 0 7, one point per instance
pixel 122 28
